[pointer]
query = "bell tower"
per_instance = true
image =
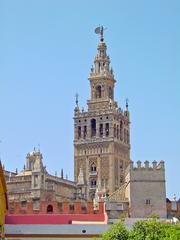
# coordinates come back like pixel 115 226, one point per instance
pixel 102 133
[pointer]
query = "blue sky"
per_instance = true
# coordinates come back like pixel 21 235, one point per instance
pixel 46 51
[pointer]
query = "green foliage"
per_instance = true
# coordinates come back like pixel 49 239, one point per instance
pixel 154 216
pixel 144 230
pixel 147 230
pixel 117 232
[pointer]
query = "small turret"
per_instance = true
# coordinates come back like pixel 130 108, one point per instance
pixel 62 174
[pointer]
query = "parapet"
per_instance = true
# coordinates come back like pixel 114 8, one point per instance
pixel 146 166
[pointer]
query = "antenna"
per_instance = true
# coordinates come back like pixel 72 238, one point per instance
pixel 100 30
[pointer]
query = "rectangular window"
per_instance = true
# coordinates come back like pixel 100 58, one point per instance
pixel 148 201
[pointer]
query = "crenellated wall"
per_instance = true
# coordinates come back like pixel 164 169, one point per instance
pixel 146 189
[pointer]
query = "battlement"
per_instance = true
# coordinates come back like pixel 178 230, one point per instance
pixel 146 166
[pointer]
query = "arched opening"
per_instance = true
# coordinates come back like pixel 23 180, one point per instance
pixel 110 93
pixel 49 208
pixel 121 130
pixel 98 92
pixel 101 130
pixel 93 183
pixel 85 132
pixel 107 129
pixel 93 127
pixel 93 168
pixel 79 132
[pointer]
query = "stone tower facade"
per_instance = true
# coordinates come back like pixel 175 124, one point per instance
pixel 102 133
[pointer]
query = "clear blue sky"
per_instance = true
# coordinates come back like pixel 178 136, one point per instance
pixel 46 51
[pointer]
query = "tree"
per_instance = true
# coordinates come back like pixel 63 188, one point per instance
pixel 154 230
pixel 147 230
pixel 144 230
pixel 117 232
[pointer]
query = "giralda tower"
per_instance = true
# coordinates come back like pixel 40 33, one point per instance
pixel 102 133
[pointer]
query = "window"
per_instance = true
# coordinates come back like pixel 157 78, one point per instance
pixel 93 183
pixel 93 127
pixel 84 208
pixel 101 130
pixel 71 207
pixel 85 132
pixel 93 168
pixel 24 204
pixel 148 201
pixel 107 129
pixel 110 93
pixel 79 132
pixel 49 208
pixel 98 92
pixel 121 130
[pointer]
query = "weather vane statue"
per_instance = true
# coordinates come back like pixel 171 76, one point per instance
pixel 100 30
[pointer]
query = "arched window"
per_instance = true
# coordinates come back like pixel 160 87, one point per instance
pixel 93 183
pixel 79 132
pixel 93 167
pixel 49 208
pixel 93 127
pixel 121 130
pixel 107 129
pixel 98 92
pixel 101 130
pixel 110 93
pixel 85 132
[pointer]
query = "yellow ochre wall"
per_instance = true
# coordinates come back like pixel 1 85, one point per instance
pixel 3 200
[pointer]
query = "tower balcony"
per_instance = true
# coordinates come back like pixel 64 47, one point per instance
pixel 93 187
pixel 93 173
